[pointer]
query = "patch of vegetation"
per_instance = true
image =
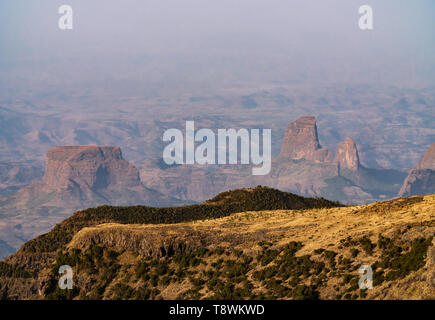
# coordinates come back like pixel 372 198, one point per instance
pixel 391 205
pixel 267 256
pixel 277 273
pixel 367 245
pixel 348 242
pixel 12 271
pixel 401 265
pixel 59 294
pixel 100 263
pixel 354 252
pixel 330 257
pixel 304 292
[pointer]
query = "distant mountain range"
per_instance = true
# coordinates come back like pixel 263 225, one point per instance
pixel 392 126
pixel 303 167
pixel 79 177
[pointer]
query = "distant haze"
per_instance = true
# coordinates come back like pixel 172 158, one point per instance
pixel 131 69
pixel 246 40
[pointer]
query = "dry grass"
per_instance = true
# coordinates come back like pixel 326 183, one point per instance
pixel 318 228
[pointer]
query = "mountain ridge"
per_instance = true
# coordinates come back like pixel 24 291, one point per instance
pixel 265 254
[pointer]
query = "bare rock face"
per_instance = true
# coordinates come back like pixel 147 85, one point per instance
pixel 301 141
pixel 421 181
pixel 76 177
pixel 84 176
pixel 347 155
pixel 319 176
pixel 418 182
pixel 428 160
pixel 88 167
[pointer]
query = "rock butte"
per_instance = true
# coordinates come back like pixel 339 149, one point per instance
pixel 76 177
pixel 88 167
pixel 302 142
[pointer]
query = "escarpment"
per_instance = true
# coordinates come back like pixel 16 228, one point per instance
pixel 301 141
pixel 269 254
pixel 152 241
pixel 76 177
pixel 421 180
pixel 89 167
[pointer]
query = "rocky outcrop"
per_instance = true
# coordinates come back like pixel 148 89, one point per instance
pixel 301 141
pixel 76 177
pixel 83 176
pixel 347 155
pixel 428 160
pixel 418 182
pixel 156 242
pixel 89 167
pixel 421 181
pixel 316 176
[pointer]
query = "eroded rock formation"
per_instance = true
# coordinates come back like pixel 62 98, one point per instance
pixel 421 181
pixel 347 155
pixel 76 177
pixel 428 160
pixel 89 167
pixel 301 141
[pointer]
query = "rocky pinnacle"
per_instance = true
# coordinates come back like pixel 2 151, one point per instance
pixel 301 141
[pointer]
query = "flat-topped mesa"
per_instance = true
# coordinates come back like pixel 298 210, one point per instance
pixel 347 155
pixel 301 141
pixel 88 167
pixel 428 160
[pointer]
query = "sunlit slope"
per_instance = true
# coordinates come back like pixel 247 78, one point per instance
pixel 267 254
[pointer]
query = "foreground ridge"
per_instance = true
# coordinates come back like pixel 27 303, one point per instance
pixel 312 253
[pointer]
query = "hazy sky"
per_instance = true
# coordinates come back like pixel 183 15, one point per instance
pixel 320 38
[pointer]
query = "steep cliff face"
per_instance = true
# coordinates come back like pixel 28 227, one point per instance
pixel 76 177
pixel 301 141
pixel 89 167
pixel 428 160
pixel 17 175
pixel 303 167
pixel 84 176
pixel 421 181
pixel 418 182
pixel 347 155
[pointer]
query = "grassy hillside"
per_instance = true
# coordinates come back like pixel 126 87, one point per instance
pixel 264 254
pixel 224 204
